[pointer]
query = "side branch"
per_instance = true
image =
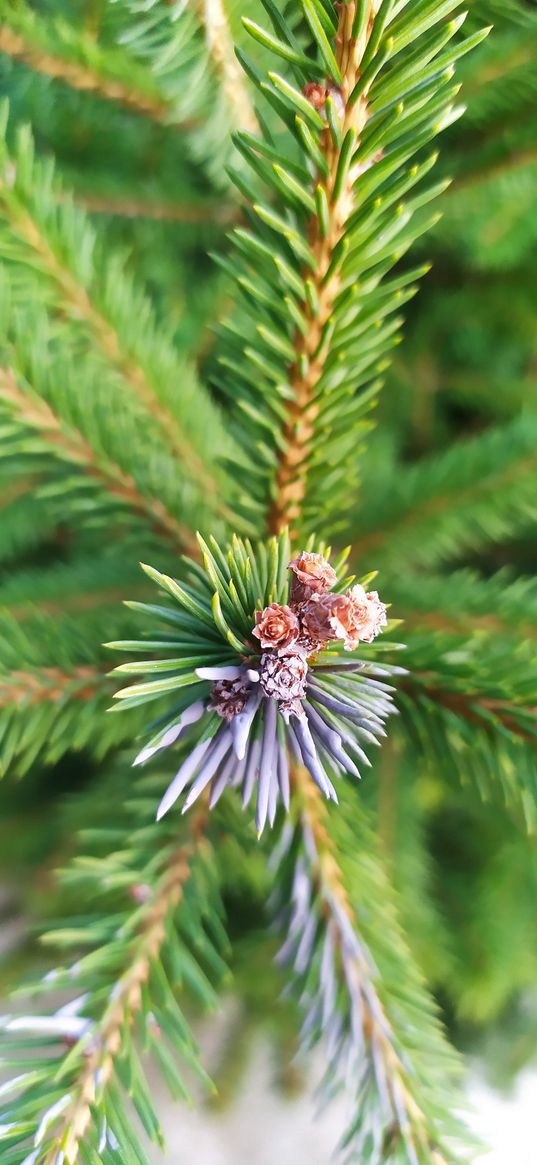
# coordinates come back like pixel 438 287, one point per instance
pixel 48 685
pixel 80 77
pixel 125 1002
pixel 310 349
pixel 69 445
pixel 221 48
pixel 81 307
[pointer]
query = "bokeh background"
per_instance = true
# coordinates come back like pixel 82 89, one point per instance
pixel 468 363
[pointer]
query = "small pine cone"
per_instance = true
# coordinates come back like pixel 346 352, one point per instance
pixel 354 617
pixel 276 627
pixel 312 574
pixel 326 617
pixel 368 615
pixel 228 697
pixel 283 677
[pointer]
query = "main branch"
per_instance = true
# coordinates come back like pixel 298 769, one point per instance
pixel 407 1124
pixel 306 370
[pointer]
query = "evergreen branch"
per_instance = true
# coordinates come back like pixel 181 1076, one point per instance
pixel 49 685
pixel 221 48
pixel 476 492
pixel 122 207
pixel 469 699
pixel 370 1028
pixel 106 321
pixel 306 371
pixel 468 605
pixel 29 47
pixel 81 585
pixel 54 687
pixel 98 1065
pixel 71 1102
pixel 69 446
pixel 319 318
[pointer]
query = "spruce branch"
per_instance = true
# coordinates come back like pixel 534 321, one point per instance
pixel 65 53
pixel 66 445
pixel 54 688
pixel 338 194
pixel 387 1060
pixel 222 52
pixel 39 230
pixel 121 206
pixel 69 1104
pixel 473 493
pixel 329 217
pixel 98 1065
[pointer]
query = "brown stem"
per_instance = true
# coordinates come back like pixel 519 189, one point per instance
pixel 122 207
pixel 299 429
pixel 72 446
pixel 126 1002
pixel 49 684
pixel 81 77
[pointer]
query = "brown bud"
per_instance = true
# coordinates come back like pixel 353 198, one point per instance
pixel 315 93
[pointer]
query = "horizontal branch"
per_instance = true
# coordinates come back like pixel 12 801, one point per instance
pixel 222 51
pixel 70 445
pixel 469 704
pixel 123 207
pixel 81 77
pixel 50 684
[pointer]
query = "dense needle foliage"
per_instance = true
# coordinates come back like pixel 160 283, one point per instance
pixel 214 223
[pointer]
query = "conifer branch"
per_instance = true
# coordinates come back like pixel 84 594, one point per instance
pixel 51 684
pixel 69 445
pixel 311 352
pixel 319 316
pixel 442 504
pixel 127 999
pixel 121 206
pixel 157 927
pixel 487 712
pixel 344 1004
pixel 222 52
pixel 80 77
pixel 78 304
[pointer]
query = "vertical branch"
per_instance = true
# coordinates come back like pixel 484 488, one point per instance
pixel 344 1005
pixel 310 348
pixel 220 45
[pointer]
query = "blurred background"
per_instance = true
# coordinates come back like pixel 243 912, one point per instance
pixel 468 362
